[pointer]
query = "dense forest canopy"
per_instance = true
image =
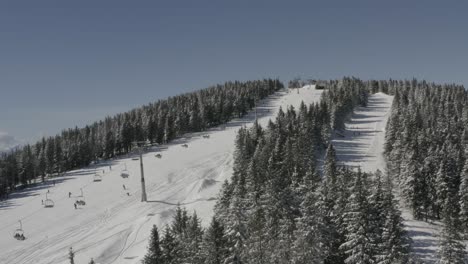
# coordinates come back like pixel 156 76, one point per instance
pixel 157 122
pixel 282 206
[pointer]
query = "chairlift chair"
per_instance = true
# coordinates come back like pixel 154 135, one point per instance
pixel 48 203
pixel 124 174
pixel 19 233
pixel 80 199
pixel 97 178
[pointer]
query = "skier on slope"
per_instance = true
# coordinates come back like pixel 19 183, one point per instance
pixel 124 187
pixel 75 205
pixel 69 194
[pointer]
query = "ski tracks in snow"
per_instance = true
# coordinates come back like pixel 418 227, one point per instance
pixel 114 223
pixel 362 146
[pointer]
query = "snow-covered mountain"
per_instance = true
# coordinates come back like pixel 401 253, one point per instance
pixel 114 226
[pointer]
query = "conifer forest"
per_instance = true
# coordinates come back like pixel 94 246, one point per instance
pixel 288 196
pixel 283 204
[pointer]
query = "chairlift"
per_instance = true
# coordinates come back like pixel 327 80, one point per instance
pixel 158 156
pixel 80 199
pixel 125 173
pixel 48 203
pixel 80 202
pixel 19 233
pixel 97 178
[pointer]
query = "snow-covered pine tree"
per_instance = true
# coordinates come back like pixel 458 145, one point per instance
pixel 329 166
pixel 394 244
pixel 42 163
pixel 50 155
pixel 411 183
pixel 463 194
pixel 223 202
pixel 378 213
pixel 311 229
pixel 452 250
pixel 332 213
pixel 442 189
pixel 256 241
pixel 214 248
pixel 194 240
pixel 154 255
pixel 170 247
pixel 358 246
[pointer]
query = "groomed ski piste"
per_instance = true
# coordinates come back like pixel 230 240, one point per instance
pixel 114 225
pixel 361 145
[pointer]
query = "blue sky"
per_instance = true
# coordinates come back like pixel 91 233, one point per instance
pixel 67 63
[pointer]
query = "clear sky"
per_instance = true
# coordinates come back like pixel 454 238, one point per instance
pixel 66 63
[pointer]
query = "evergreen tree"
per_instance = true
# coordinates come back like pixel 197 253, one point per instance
pixel 463 194
pixel 71 256
pixel 256 241
pixel 359 246
pixel 452 250
pixel 42 164
pixel 194 240
pixel 332 212
pixel 154 255
pixel 329 168
pixel 307 247
pixel 170 248
pixel 215 244
pixel 50 156
pixel 394 244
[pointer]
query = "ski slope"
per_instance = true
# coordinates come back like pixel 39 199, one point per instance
pixel 361 145
pixel 114 226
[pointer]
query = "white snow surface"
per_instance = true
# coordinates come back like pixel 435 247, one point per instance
pixel 363 146
pixel 361 143
pixel 114 227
